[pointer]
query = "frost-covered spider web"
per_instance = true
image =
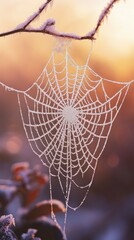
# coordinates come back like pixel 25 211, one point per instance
pixel 67 115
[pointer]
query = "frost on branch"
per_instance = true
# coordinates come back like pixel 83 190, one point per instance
pixel 103 15
pixel 90 34
pixel 48 27
pixel 26 23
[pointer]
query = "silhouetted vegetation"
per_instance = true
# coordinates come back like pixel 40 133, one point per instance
pixel 31 218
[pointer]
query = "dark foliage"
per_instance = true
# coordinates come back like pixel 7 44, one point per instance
pixel 26 184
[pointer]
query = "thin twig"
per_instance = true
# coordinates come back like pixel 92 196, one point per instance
pixel 101 19
pixel 48 27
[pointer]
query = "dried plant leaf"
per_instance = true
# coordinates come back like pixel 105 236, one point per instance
pixel 44 209
pixel 17 168
pixel 27 182
pixel 22 172
pixel 30 181
pixel 47 229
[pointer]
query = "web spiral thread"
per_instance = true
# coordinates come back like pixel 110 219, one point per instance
pixel 67 115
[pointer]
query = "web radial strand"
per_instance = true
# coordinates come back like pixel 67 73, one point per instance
pixel 67 115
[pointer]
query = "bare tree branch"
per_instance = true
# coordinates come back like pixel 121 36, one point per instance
pixel 101 19
pixel 48 27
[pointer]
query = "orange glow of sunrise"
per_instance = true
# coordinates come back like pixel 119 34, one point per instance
pixel 23 56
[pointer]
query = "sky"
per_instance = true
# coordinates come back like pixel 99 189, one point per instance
pixel 23 56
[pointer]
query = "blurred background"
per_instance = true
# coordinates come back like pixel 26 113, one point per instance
pixel 108 213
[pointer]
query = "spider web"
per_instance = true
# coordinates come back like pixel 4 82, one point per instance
pixel 67 115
